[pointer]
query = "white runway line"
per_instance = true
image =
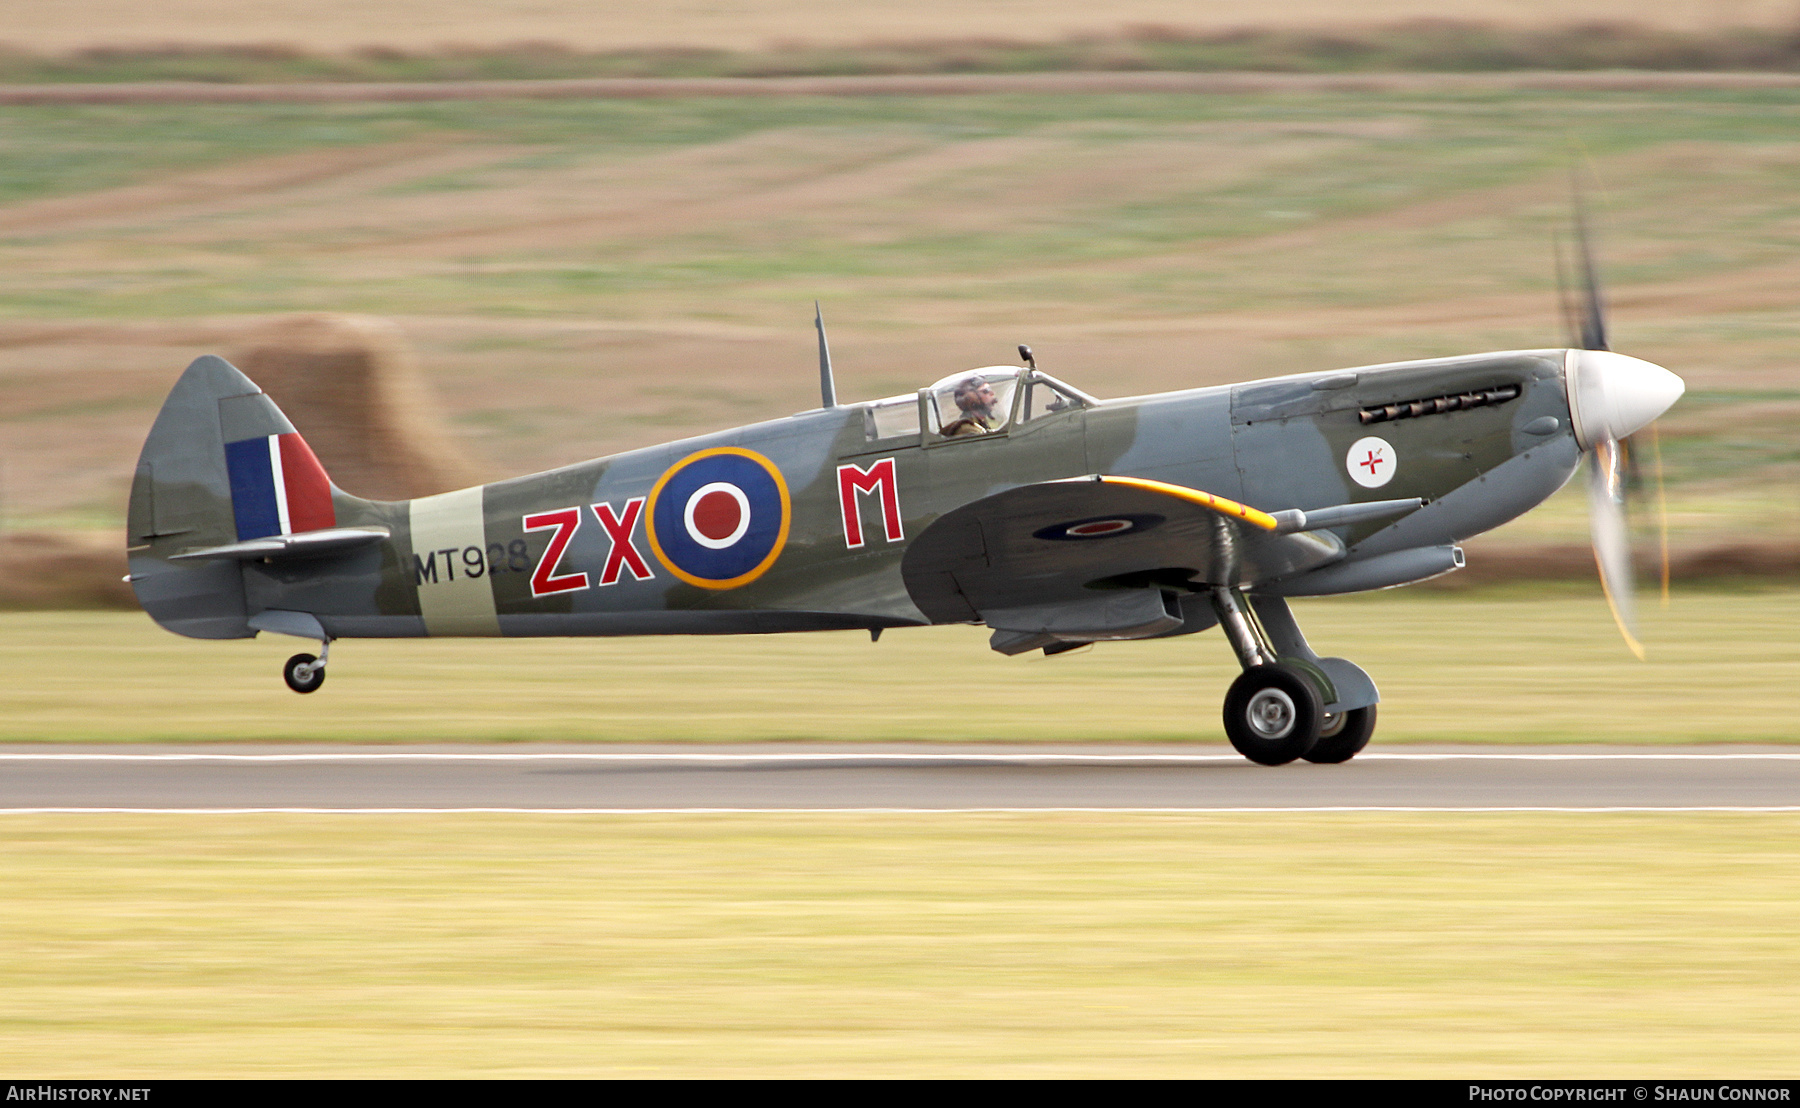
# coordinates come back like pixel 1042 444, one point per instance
pixel 873 756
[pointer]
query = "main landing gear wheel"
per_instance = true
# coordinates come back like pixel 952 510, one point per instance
pixel 1273 714
pixel 304 673
pixel 1343 736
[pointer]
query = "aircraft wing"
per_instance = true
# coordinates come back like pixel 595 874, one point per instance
pixel 1051 543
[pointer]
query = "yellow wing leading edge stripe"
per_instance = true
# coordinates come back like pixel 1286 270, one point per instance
pixel 1252 516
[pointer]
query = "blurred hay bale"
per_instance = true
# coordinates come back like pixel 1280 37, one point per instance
pixel 353 389
pixel 1769 559
pixel 83 569
pixel 1504 565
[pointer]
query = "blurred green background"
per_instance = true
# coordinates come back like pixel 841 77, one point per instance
pixel 582 277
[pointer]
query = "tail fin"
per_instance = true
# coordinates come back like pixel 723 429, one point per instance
pixel 221 465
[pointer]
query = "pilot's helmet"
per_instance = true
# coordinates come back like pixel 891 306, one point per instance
pixel 967 393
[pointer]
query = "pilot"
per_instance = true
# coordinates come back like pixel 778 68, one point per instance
pixel 975 399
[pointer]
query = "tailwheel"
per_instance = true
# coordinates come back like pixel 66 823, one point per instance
pixel 304 673
pixel 1273 714
pixel 1342 736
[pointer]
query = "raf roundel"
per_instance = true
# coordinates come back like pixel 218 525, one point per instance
pixel 1371 462
pixel 718 519
pixel 1102 527
pixel 1097 529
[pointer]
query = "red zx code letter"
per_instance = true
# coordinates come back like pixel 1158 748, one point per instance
pixel 624 552
pixel 544 580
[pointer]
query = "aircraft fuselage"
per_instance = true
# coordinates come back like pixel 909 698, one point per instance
pixel 801 523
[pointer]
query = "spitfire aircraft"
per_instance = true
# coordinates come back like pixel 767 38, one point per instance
pixel 999 496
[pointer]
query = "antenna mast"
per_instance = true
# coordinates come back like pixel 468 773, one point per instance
pixel 827 387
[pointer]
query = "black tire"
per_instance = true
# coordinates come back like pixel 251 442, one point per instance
pixel 1343 737
pixel 1272 714
pixel 300 680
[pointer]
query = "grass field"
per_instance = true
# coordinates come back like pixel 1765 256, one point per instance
pixel 585 277
pixel 1427 46
pixel 746 24
pixel 1451 669
pixel 954 945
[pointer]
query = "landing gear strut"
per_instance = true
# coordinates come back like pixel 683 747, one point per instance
pixel 1289 703
pixel 305 673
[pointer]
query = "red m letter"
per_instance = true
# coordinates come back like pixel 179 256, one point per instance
pixel 853 479
pixel 624 552
pixel 565 520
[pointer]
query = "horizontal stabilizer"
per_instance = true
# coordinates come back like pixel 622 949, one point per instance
pixel 304 544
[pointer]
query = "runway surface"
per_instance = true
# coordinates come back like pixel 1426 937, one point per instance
pixel 886 778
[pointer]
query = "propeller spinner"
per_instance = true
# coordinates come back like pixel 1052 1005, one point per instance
pixel 1611 397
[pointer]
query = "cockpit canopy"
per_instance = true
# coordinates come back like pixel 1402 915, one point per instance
pixel 975 402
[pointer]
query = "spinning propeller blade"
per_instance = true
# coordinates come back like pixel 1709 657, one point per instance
pixel 1611 397
pixel 1612 539
pixel 1591 320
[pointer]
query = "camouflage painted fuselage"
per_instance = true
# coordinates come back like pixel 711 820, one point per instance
pixel 802 523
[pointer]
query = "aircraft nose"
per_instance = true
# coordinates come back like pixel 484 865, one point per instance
pixel 1613 395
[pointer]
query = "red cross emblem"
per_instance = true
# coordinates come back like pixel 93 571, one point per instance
pixel 1371 462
